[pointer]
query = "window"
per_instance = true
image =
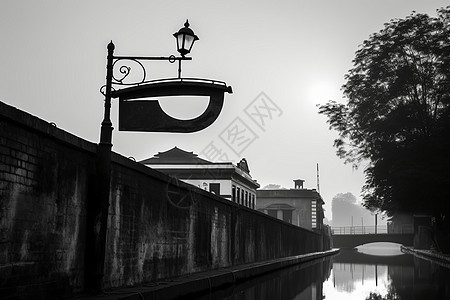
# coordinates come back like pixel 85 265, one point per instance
pixel 287 216
pixel 272 213
pixel 313 214
pixel 233 193
pixel 253 201
pixel 215 188
pixel 246 199
pixel 242 197
pixel 238 196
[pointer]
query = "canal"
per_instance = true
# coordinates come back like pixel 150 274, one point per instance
pixel 367 273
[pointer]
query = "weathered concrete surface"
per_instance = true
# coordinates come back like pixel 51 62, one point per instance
pixel 45 182
pixel 430 255
pixel 158 227
pixel 161 230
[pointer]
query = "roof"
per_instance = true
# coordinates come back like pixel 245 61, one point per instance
pixel 278 206
pixel 291 193
pixel 187 165
pixel 175 156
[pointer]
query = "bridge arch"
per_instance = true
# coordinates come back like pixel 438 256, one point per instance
pixel 354 236
pixel 355 240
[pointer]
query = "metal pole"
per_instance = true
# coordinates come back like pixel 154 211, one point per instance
pixel 99 207
pixel 106 129
pixel 376 223
pixel 351 228
pixel 376 275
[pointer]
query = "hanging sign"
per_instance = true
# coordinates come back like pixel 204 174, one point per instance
pixel 136 114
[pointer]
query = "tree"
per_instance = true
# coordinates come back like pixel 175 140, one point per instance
pixel 391 295
pixel 347 212
pixel 273 186
pixel 397 116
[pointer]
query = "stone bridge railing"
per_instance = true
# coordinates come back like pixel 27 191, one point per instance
pixel 381 229
pixel 354 236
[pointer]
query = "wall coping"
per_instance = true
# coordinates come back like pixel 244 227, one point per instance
pixel 126 162
pixel 49 129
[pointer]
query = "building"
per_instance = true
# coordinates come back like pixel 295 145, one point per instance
pixel 298 206
pixel 232 182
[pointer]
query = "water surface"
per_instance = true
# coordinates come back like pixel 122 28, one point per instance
pixel 381 270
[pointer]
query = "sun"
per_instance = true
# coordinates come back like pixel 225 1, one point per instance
pixel 322 91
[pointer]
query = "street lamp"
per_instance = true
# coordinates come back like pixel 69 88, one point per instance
pixel 185 39
pixel 97 218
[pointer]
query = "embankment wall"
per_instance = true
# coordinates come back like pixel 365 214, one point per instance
pixel 157 227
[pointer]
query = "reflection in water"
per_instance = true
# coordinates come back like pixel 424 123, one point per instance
pixel 423 280
pixel 349 275
pixel 356 275
pixel 301 282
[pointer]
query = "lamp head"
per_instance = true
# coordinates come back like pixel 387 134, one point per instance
pixel 185 39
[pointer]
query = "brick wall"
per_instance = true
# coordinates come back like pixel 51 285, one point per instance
pixel 45 181
pixel 157 227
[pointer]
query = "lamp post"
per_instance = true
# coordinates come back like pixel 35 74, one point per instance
pixel 98 209
pixel 376 224
pixel 185 40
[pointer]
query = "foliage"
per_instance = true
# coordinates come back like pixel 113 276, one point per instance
pixel 346 198
pixel 273 186
pixel 397 117
pixel 346 211
pixel 390 296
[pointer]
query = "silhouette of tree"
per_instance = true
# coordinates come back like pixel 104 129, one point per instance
pixel 397 117
pixel 345 197
pixel 273 186
pixel 376 296
pixel 346 211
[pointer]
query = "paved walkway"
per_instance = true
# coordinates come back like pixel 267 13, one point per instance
pixel 205 281
pixel 430 255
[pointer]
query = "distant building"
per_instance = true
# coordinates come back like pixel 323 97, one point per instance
pixel 298 206
pixel 408 222
pixel 232 182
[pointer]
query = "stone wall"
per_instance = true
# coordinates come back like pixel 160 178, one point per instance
pixel 161 228
pixel 46 179
pixel 157 228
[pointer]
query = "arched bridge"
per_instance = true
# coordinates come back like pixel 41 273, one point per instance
pixel 351 237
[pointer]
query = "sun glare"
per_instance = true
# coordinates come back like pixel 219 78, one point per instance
pixel 322 91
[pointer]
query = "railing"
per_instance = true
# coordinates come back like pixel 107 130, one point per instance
pixel 382 229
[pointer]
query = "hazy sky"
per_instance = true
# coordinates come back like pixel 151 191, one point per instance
pixel 295 52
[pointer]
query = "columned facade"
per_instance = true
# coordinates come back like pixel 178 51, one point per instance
pixel 232 182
